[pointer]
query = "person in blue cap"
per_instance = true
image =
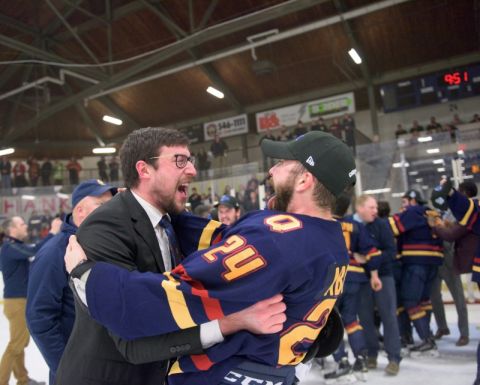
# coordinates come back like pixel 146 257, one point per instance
pixel 228 210
pixel 50 305
pixel 16 256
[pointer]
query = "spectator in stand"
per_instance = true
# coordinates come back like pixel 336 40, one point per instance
pixel 299 130
pixel 456 120
pixel 203 162
pixel 74 169
pixel 336 129
pixel 319 125
pixel 400 131
pixel 475 119
pixel 5 172
pixel 348 127
pixel 284 135
pixel 416 129
pixel 46 172
pixel 434 127
pixel 251 201
pixel 219 150
pixel 19 171
pixel 114 167
pixel 267 161
pixel 58 170
pixel 102 169
pixel 195 199
pixel 33 171
pixel 452 129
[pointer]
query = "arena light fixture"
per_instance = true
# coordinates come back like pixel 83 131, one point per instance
pixel 355 56
pixel 398 194
pixel 438 161
pixel 424 139
pixel 104 150
pixel 460 152
pixel 6 151
pixel 63 196
pixel 413 173
pixel 215 92
pixel 441 169
pixel 111 119
pixel 28 197
pixel 401 164
pixel 433 151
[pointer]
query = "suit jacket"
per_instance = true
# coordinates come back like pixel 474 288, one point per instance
pixel 120 232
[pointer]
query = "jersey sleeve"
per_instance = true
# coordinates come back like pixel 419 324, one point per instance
pixel 405 221
pixel 364 244
pixel 465 210
pixel 196 233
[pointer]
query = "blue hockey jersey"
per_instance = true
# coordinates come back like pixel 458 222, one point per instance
pixel 263 254
pixel 418 245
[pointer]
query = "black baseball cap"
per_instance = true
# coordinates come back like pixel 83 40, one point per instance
pixel 229 201
pixel 322 154
pixel 414 194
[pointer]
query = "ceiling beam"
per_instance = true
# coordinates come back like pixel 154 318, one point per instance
pixel 72 31
pixel 207 15
pixel 77 7
pixel 207 68
pixel 117 14
pixel 191 41
pixel 45 55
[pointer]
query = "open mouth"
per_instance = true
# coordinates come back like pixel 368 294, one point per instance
pixel 183 189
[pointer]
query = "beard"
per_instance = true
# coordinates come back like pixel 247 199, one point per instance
pixel 283 196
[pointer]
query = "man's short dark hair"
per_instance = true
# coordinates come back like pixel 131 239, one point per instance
pixel 143 144
pixel 468 188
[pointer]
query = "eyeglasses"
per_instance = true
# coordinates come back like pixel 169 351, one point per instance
pixel 181 160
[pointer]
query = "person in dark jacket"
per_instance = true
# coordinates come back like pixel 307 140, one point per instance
pixel 15 257
pixel 50 305
pixel 384 299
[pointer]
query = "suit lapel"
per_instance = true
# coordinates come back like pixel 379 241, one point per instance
pixel 144 229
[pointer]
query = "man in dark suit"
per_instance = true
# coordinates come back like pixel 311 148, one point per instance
pixel 157 169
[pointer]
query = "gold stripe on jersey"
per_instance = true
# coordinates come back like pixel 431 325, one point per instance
pixel 207 234
pixel 417 315
pixel 466 217
pixel 394 227
pixel 421 253
pixel 371 255
pixel 175 369
pixel 177 303
pixel 356 269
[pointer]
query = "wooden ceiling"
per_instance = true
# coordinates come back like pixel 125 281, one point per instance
pixel 64 120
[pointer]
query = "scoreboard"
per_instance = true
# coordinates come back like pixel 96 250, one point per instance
pixel 439 87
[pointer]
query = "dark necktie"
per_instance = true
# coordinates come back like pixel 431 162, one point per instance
pixel 175 254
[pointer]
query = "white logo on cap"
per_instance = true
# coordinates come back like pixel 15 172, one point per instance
pixel 352 173
pixel 310 161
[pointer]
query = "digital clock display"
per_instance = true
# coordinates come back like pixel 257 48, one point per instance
pixel 455 78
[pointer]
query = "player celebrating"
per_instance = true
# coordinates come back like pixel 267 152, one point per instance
pixel 296 249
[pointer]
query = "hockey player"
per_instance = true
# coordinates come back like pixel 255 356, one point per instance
pixel 421 253
pixel 364 257
pixel 467 213
pixel 262 254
